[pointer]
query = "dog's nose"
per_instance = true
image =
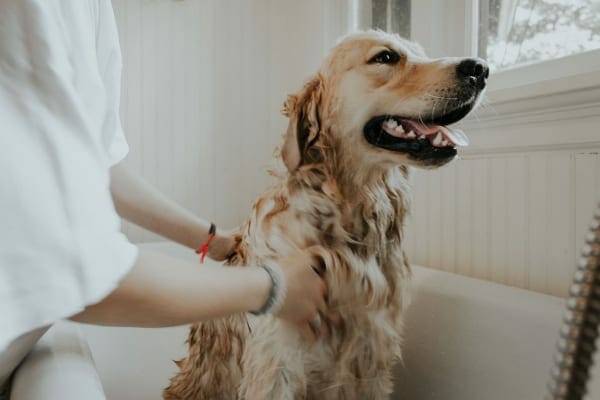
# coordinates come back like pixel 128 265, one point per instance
pixel 473 69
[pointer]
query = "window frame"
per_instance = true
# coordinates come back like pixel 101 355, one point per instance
pixel 452 28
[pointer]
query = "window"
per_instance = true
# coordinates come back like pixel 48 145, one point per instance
pixel 391 16
pixel 387 15
pixel 517 32
pixel 535 48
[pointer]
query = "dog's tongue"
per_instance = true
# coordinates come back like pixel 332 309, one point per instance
pixel 454 135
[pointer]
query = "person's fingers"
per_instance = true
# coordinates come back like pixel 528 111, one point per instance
pixel 336 319
pixel 307 332
pixel 315 270
pixel 321 305
pixel 319 291
pixel 319 325
pixel 224 244
pixel 315 321
pixel 317 264
pixel 307 293
pixel 325 330
pixel 323 286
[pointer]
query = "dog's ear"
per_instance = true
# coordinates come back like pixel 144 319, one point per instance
pixel 303 110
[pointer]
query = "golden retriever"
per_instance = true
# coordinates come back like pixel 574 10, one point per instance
pixel 376 106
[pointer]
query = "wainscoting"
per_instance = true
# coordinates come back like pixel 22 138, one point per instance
pixel 204 83
pixel 515 207
pixel 517 219
pixel 203 86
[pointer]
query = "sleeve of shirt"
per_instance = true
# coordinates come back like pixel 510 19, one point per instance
pixel 110 68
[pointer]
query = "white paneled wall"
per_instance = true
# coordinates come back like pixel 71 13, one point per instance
pixel 514 209
pixel 204 81
pixel 203 85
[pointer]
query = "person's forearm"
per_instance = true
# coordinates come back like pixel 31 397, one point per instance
pixel 142 204
pixel 165 291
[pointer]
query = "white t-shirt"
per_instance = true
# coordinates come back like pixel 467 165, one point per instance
pixel 60 241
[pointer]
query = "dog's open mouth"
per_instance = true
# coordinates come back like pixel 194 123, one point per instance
pixel 420 140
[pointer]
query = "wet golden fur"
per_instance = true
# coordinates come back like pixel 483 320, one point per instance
pixel 350 200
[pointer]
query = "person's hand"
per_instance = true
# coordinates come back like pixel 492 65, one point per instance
pixel 304 305
pixel 223 244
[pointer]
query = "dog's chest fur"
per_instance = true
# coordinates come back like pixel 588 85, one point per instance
pixel 362 228
pixel 360 237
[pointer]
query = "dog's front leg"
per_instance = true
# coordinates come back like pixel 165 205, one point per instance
pixel 273 363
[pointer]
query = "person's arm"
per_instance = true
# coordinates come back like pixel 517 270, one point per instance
pixel 162 291
pixel 165 291
pixel 139 202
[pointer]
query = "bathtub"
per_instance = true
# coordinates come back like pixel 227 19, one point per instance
pixel 465 339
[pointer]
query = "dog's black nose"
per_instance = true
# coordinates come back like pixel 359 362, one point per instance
pixel 475 70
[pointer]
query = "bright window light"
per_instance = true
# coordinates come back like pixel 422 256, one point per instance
pixel 517 32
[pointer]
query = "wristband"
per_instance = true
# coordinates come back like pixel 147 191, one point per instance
pixel 278 291
pixel 203 250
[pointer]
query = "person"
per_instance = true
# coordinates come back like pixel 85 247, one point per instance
pixel 63 187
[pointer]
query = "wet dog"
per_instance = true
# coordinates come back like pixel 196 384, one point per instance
pixel 377 106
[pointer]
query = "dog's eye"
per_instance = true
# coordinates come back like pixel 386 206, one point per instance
pixel 385 57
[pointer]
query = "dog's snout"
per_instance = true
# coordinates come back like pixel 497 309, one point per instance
pixel 475 70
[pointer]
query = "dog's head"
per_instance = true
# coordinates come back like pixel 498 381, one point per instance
pixel 380 100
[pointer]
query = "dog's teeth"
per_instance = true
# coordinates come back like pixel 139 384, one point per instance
pixel 399 129
pixel 422 137
pixel 438 139
pixel 411 135
pixel 444 143
pixel 391 123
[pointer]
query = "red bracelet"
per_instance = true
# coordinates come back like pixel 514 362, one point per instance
pixel 203 250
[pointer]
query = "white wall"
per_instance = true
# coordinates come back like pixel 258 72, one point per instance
pixel 204 81
pixel 514 209
pixel 203 85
